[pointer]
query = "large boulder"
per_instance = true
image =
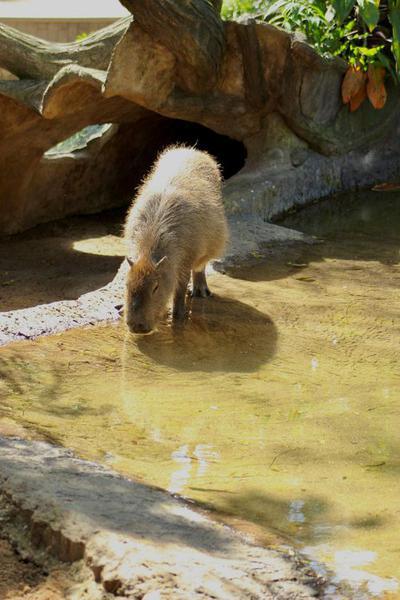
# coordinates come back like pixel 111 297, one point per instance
pixel 257 97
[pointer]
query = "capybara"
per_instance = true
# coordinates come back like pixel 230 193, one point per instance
pixel 175 225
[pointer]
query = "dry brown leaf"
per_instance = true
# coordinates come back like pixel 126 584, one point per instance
pixel 353 81
pixel 359 97
pixel 305 278
pixel 386 187
pixel 376 90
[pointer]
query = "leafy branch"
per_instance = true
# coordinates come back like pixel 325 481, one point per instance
pixel 365 33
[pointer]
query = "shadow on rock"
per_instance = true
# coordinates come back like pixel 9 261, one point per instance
pixel 102 499
pixel 45 264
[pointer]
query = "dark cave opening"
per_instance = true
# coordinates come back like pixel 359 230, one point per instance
pixel 231 154
pixel 154 134
pixel 102 165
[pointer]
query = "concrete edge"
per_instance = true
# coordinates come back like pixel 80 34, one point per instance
pixel 136 539
pixel 251 241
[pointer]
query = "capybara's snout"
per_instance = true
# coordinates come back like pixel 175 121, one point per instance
pixel 139 327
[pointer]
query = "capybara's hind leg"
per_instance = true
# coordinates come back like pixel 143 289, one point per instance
pixel 200 287
pixel 178 310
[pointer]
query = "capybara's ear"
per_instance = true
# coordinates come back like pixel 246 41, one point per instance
pixel 162 261
pixel 130 261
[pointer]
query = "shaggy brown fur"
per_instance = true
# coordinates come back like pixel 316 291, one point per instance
pixel 174 227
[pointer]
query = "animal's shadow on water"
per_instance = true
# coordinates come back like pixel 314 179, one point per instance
pixel 220 334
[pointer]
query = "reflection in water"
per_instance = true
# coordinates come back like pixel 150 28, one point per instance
pixel 223 334
pixel 203 454
pixel 276 404
pixel 375 216
pixel 351 566
pixel 296 514
pixel 195 465
pixel 181 476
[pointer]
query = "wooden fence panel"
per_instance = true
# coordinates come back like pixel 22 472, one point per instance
pixel 57 30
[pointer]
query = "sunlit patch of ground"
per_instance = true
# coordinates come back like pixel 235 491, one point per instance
pixel 60 261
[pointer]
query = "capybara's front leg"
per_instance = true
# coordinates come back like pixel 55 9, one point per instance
pixel 178 310
pixel 200 287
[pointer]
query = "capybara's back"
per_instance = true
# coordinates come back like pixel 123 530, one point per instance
pixel 175 225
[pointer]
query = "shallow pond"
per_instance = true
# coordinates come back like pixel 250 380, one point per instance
pixel 277 405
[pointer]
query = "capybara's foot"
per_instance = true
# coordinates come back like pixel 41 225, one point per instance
pixel 179 304
pixel 178 314
pixel 201 292
pixel 200 287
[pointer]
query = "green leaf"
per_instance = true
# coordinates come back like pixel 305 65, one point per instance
pixel 394 18
pixel 369 10
pixel 370 52
pixel 388 64
pixel 274 8
pixel 342 8
pixel 349 26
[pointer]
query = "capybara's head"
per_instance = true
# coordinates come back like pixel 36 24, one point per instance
pixel 148 289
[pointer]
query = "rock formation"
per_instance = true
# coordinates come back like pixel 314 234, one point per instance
pixel 257 97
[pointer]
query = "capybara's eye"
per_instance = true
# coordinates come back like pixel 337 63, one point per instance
pixel 155 288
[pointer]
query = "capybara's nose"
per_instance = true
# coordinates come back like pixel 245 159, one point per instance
pixel 140 328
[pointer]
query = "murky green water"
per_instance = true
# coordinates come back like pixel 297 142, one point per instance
pixel 278 404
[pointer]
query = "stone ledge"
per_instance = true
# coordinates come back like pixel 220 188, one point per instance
pixel 251 240
pixel 139 541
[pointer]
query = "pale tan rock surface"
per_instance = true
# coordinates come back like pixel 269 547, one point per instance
pixel 138 541
pixel 241 80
